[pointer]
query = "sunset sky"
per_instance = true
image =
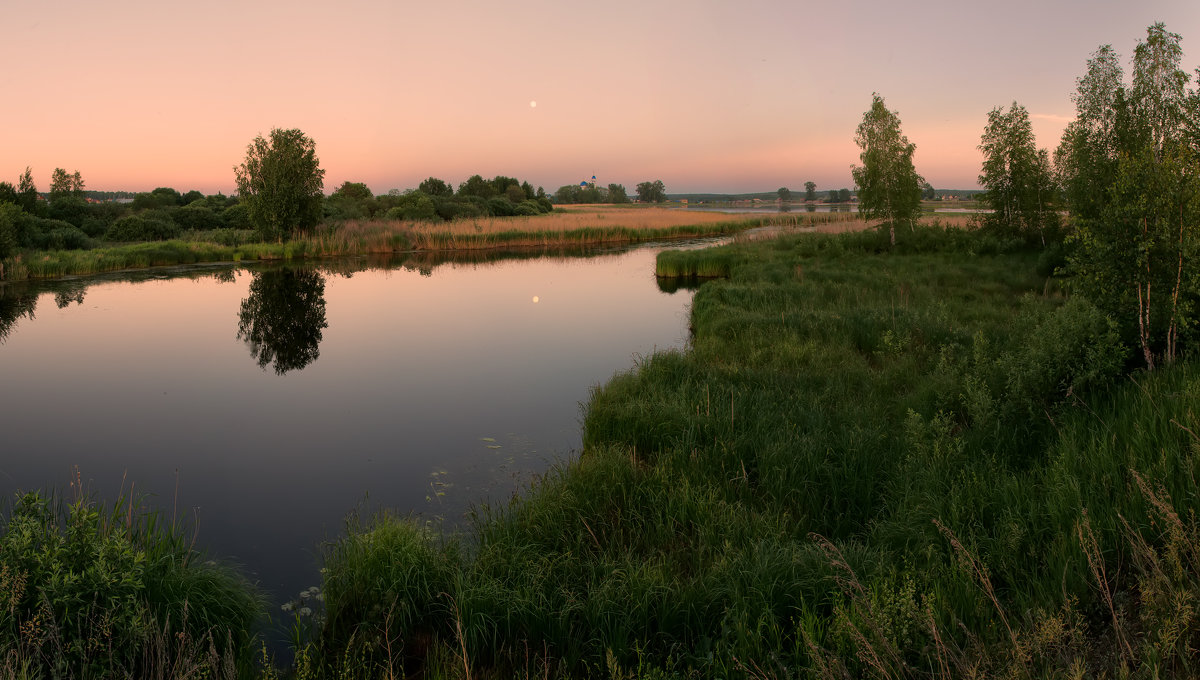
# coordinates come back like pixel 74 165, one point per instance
pixel 704 95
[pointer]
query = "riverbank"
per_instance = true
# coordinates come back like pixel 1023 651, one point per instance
pixel 925 461
pixel 920 462
pixel 575 228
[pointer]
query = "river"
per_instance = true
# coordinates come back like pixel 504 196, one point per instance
pixel 263 404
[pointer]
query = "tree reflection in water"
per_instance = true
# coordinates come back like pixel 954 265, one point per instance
pixel 14 306
pixel 282 318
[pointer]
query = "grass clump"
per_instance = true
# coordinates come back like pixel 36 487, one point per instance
pixel 86 592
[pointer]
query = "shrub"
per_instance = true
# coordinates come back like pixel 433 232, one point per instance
pixel 89 594
pixel 197 218
pixel 237 216
pixel 67 238
pixel 9 214
pixel 499 206
pixel 527 208
pixel 141 228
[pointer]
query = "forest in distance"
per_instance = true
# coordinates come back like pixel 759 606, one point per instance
pixel 912 451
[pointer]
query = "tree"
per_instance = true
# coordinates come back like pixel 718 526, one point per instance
pixel 27 191
pixel 652 192
pixel 617 193
pixel 476 185
pixel 810 191
pixel 888 185
pixel 1131 169
pixel 281 184
pixel 435 187
pixel 64 184
pixel 1016 177
pixel 785 195
pixel 927 192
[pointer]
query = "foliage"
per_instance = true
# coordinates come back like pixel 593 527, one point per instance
pixel 652 192
pixel 435 187
pixel 141 228
pixel 1017 177
pixel 352 200
pixel 9 214
pixel 88 593
pixel 888 185
pixel 280 183
pixel 63 184
pixel 810 191
pixel 1130 165
pixel 414 206
pixel 27 193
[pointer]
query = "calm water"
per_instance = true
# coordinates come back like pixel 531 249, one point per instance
pixel 279 400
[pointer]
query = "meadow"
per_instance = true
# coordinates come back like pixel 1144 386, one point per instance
pixel 927 461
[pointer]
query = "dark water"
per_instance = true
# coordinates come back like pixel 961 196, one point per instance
pixel 278 400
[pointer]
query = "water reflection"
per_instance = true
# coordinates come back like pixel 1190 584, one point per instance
pixel 282 318
pixel 14 304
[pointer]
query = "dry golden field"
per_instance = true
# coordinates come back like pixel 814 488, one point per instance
pixel 581 226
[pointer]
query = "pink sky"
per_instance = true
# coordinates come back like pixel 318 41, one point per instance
pixel 706 96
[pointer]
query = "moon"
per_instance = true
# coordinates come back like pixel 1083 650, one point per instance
pixel 533 105
pixel 535 299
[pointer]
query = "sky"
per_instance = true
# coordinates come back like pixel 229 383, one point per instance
pixel 707 96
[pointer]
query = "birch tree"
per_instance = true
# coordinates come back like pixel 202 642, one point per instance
pixel 1016 175
pixel 1132 172
pixel 889 187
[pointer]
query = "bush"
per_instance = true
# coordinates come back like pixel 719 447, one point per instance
pixel 236 216
pixel 9 214
pixel 141 228
pixel 89 594
pixel 196 218
pixel 34 232
pixel 527 208
pixel 1052 260
pixel 499 206
pixel 453 209
pixel 67 238
pixel 414 206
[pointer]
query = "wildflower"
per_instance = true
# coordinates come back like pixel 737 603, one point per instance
pixel 305 611
pixel 287 606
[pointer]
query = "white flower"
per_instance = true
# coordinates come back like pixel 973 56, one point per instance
pixel 287 606
pixel 305 611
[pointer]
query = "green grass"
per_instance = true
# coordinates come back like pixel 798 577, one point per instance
pixel 869 462
pixel 87 591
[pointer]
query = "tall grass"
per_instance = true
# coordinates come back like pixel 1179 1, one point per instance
pixel 908 462
pixel 87 591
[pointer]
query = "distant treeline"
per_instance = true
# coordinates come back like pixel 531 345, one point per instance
pixel 68 217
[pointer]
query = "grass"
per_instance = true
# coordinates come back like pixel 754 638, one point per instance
pixel 908 463
pixel 870 462
pixel 558 230
pixel 87 591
